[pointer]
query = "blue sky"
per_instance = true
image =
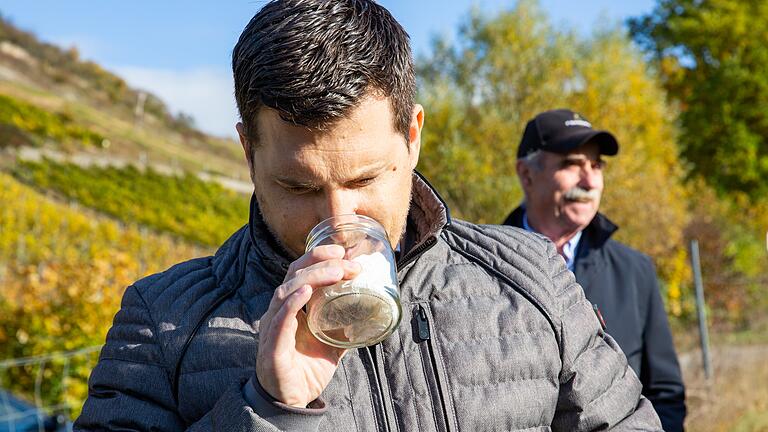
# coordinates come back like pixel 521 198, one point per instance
pixel 180 50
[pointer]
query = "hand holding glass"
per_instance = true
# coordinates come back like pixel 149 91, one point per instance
pixel 365 310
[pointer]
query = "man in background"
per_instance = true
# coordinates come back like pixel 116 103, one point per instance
pixel 560 167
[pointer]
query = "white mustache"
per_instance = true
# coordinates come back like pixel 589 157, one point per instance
pixel 581 195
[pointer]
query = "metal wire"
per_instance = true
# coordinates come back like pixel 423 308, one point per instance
pixel 23 361
pixel 41 361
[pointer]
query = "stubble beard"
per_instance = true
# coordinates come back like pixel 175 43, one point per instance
pixel 265 217
pixel 404 218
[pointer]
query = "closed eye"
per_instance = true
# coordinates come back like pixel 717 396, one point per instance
pixel 300 189
pixel 362 182
pixel 599 164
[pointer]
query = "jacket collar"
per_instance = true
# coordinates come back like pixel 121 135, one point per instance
pixel 590 253
pixel 427 217
pixel 599 230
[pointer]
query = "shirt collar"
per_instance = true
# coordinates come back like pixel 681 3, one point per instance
pixel 569 249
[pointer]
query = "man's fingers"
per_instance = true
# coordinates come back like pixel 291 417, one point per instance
pixel 284 323
pixel 351 269
pixel 316 255
pixel 321 274
pixel 327 268
pixel 275 321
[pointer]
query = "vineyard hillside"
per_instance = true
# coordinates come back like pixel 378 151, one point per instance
pixel 100 185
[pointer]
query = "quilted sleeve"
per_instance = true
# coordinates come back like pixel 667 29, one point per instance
pixel 598 389
pixel 129 389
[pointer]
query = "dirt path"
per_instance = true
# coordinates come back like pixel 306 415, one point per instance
pixel 736 398
pixel 85 160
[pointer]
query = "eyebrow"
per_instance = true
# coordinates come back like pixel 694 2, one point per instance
pixel 370 171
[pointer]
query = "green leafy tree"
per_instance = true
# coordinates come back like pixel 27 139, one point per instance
pixel 713 59
pixel 503 69
pixel 713 56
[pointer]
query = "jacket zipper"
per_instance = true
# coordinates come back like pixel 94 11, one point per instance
pixel 425 335
pixel 380 408
pixel 414 253
pixel 373 374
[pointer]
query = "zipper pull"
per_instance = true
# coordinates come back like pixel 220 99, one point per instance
pixel 422 324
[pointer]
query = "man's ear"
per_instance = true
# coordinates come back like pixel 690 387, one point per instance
pixel 247 147
pixel 525 174
pixel 414 134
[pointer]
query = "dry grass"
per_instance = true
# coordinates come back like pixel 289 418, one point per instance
pixel 736 399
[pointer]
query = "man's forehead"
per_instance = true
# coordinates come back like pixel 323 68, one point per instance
pixel 383 106
pixel 581 156
pixel 589 150
pixel 371 117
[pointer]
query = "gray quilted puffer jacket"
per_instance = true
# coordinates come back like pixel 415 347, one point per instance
pixel 496 335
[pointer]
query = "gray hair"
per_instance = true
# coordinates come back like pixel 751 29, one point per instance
pixel 533 160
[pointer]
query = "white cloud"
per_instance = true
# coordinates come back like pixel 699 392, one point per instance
pixel 205 93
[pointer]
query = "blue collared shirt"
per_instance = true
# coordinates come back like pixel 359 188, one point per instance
pixel 569 249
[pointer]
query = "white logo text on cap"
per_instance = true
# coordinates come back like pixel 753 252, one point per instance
pixel 578 123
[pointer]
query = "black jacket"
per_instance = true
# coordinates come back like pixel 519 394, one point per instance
pixel 622 283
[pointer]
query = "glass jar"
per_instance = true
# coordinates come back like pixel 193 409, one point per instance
pixel 365 310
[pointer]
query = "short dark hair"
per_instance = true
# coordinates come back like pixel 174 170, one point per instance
pixel 314 60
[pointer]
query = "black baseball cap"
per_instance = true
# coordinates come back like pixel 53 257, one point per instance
pixel 562 130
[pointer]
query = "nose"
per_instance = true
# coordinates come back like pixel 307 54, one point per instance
pixel 591 178
pixel 342 202
pixel 339 202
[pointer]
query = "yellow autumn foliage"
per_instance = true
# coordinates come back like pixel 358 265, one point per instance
pixel 63 270
pixel 480 90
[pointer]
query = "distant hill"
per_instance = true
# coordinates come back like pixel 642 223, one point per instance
pixel 80 134
pixel 100 185
pixel 51 98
